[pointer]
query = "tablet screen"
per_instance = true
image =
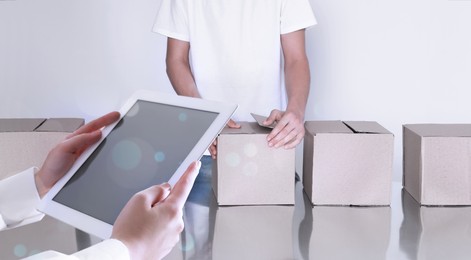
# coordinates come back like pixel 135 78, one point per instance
pixel 145 148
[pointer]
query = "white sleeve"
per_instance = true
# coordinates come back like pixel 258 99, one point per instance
pixel 18 200
pixel 111 249
pixel 172 20
pixel 296 15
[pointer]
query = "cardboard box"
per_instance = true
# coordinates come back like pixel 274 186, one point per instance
pixel 270 229
pixel 248 172
pixel 348 163
pixel 437 163
pixel 434 233
pixel 26 142
pixel 350 232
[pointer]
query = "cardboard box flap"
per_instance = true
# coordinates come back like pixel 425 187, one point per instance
pixel 366 127
pixel 61 125
pixel 20 124
pixel 317 127
pixel 441 130
pixel 246 128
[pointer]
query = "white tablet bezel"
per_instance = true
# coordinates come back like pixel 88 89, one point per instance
pixel 102 229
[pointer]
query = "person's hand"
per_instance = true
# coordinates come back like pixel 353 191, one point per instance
pixel 213 147
pixel 150 223
pixel 289 129
pixel 61 158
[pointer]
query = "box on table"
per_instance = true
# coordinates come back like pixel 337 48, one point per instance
pixel 437 163
pixel 348 163
pixel 26 142
pixel 253 232
pixel 249 172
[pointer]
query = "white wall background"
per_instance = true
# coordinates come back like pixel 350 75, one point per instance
pixel 391 61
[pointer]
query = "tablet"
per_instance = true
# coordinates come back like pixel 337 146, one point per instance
pixel 154 141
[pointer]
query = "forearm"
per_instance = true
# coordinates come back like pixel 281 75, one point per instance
pixel 297 81
pixel 182 80
pixel 178 68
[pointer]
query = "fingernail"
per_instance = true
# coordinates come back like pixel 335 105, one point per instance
pixel 166 185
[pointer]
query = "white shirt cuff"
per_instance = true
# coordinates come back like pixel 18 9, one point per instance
pixel 18 199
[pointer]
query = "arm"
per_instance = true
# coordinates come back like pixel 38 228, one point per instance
pixel 178 68
pixel 18 206
pixel 107 249
pixel 290 123
pixel 151 222
pixel 148 227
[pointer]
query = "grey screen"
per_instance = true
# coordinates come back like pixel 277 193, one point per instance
pixel 145 148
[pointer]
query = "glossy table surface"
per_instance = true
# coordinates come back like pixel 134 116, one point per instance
pixel 405 230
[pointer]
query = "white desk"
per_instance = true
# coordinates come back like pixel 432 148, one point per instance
pixel 403 231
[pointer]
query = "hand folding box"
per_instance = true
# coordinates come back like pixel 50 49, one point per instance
pixel 348 163
pixel 249 172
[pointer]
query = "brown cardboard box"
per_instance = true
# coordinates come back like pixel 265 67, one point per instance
pixel 348 163
pixel 437 163
pixel 248 172
pixel 270 229
pixel 25 142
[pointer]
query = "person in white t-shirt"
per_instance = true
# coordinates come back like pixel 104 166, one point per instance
pixel 248 52
pixel 232 51
pixel 148 227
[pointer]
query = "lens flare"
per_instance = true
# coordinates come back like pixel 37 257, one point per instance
pixel 159 156
pixel 232 159
pixel 250 150
pixel 126 155
pixel 250 169
pixel 20 250
pixel 182 117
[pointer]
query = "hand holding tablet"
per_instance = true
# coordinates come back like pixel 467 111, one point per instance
pixel 155 140
pixel 61 158
pixel 155 215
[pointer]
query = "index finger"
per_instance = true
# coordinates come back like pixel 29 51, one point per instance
pixel 277 129
pixel 182 188
pixel 96 124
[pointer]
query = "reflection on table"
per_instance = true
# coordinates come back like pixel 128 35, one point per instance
pixel 435 232
pixel 284 232
pixel 405 230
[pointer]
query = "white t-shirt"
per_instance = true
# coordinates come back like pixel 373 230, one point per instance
pixel 235 47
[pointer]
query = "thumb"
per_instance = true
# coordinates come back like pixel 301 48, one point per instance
pixel 154 194
pixel 80 142
pixel 232 124
pixel 274 116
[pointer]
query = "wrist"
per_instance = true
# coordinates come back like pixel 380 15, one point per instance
pixel 40 186
pixel 299 112
pixel 134 250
